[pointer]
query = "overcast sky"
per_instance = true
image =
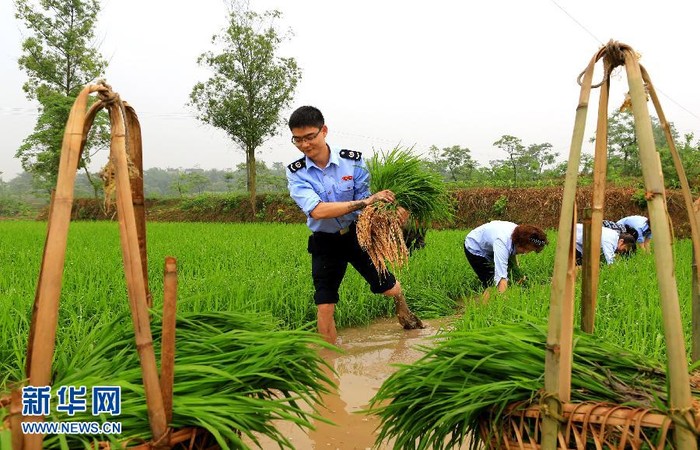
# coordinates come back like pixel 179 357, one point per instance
pixel 383 72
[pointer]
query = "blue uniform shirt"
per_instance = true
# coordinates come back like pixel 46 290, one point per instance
pixel 639 223
pixel 343 179
pixel 493 241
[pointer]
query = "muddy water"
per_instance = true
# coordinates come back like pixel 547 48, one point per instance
pixel 369 353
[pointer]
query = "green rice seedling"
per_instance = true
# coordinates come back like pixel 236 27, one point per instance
pixel 235 375
pixel 429 302
pixel 417 189
pixel 471 376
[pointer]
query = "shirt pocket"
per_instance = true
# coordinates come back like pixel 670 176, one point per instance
pixel 344 191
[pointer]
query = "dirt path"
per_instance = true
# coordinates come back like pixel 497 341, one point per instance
pixel 367 362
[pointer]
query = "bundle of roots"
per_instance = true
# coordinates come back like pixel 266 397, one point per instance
pixel 379 233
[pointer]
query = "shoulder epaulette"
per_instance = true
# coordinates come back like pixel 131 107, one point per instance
pixel 296 165
pixel 351 154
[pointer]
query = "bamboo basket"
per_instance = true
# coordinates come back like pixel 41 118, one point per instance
pixel 556 422
pixel 124 172
pixel 583 425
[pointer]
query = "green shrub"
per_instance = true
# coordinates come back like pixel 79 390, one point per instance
pixel 639 198
pixel 500 205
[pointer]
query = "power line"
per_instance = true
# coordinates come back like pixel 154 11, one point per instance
pixel 601 43
pixel 677 104
pixel 578 23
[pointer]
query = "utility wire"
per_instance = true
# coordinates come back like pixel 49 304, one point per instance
pixel 601 43
pixel 578 23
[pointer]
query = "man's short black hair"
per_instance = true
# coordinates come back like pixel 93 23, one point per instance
pixel 306 116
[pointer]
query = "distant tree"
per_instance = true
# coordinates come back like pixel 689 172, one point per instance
pixel 269 180
pixel 586 165
pixel 689 153
pixel 435 162
pixel 59 56
pixel 515 149
pixel 459 161
pixel 229 177
pixel 454 163
pixel 198 182
pixel 623 149
pixel 536 158
pixel 180 185
pixel 250 85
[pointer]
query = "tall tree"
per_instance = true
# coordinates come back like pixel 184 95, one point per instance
pixel 250 84
pixel 453 163
pixel 536 158
pixel 689 154
pixel 514 148
pixel 623 149
pixel 459 161
pixel 59 56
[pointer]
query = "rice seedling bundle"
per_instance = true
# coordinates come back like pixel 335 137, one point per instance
pixel 418 190
pixel 469 379
pixel 235 374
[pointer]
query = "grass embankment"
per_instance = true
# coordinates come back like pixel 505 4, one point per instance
pixel 473 207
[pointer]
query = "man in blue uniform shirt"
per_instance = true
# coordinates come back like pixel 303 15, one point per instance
pixel 331 186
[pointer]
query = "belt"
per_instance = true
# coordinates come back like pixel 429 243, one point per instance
pixel 340 232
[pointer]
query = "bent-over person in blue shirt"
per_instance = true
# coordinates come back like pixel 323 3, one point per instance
pixel 491 248
pixel 642 227
pixel 331 186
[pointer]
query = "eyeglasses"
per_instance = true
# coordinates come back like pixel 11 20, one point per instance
pixel 298 140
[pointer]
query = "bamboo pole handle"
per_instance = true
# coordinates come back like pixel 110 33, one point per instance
pixel 680 399
pixel 45 311
pixel 133 271
pixel 167 364
pixel 550 426
pixel 135 152
pixel 589 287
pixel 587 294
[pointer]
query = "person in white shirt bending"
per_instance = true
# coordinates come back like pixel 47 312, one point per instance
pixel 491 248
pixel 612 242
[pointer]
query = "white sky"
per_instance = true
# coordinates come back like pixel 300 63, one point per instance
pixel 383 72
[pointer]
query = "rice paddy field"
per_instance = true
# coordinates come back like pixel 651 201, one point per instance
pixel 264 270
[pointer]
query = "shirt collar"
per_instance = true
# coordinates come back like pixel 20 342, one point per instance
pixel 334 159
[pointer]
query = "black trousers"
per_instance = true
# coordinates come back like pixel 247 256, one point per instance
pixel 330 255
pixel 484 268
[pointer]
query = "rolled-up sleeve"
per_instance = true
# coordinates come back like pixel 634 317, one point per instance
pixel 501 255
pixel 303 194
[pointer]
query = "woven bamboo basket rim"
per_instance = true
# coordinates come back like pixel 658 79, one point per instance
pixel 597 412
pixel 580 421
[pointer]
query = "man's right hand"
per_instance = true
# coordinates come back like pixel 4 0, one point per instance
pixel 383 196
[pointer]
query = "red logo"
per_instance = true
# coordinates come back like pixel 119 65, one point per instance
pixel 347 178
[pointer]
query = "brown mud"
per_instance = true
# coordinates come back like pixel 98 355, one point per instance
pixel 368 358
